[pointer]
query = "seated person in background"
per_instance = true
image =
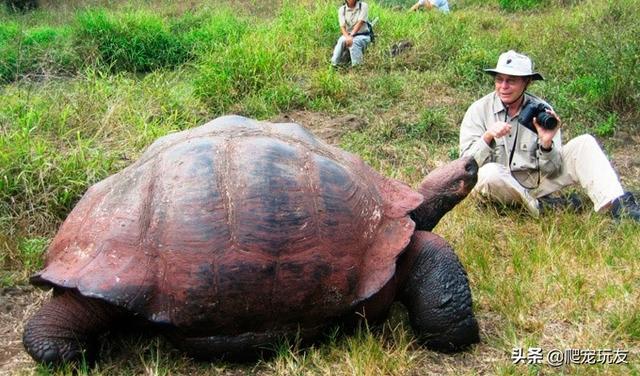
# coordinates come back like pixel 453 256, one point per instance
pixel 441 5
pixel 515 138
pixel 353 18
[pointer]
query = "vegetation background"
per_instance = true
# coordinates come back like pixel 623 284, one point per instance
pixel 87 85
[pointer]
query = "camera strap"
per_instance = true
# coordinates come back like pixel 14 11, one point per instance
pixel 513 149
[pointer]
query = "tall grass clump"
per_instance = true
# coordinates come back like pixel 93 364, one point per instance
pixel 306 34
pixel 227 76
pixel 41 51
pixel 58 140
pixel 42 179
pixel 591 80
pixel 513 5
pixel 137 42
pixel 261 73
pixel 450 48
pixel 208 31
pixel 9 51
pixel 433 126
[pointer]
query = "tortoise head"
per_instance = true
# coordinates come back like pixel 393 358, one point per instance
pixel 443 189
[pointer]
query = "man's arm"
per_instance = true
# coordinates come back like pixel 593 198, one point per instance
pixel 472 130
pixel 550 157
pixel 344 32
pixel 549 146
pixel 343 27
pixel 357 27
pixel 362 18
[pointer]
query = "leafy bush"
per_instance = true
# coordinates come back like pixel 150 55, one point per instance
pixel 208 32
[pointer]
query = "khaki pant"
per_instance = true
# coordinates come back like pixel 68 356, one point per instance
pixel 583 163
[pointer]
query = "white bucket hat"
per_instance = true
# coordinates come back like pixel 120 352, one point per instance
pixel 515 64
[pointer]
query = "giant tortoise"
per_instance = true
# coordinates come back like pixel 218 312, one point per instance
pixel 233 234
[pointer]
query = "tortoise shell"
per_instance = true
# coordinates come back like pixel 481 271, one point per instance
pixel 235 226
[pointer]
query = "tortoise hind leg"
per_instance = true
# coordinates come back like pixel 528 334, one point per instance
pixel 64 329
pixel 437 295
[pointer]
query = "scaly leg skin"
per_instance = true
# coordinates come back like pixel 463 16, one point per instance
pixel 437 295
pixel 65 328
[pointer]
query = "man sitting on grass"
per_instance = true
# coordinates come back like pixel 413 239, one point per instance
pixel 356 36
pixel 515 138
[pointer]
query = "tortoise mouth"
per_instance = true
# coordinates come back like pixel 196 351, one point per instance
pixel 470 177
pixel 471 166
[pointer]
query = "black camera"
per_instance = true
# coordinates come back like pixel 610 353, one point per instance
pixel 537 110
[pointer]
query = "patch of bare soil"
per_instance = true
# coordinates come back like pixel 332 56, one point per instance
pixel 16 305
pixel 326 127
pixel 626 159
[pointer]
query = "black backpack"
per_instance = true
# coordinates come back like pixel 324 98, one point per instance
pixel 372 35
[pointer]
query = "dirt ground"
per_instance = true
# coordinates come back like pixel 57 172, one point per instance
pixel 16 305
pixel 626 159
pixel 325 127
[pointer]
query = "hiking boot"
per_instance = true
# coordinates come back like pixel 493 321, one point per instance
pixel 625 206
pixel 572 202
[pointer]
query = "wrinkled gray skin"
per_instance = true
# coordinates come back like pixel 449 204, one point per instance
pixel 443 189
pixel 429 281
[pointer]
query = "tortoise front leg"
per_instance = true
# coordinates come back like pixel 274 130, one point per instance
pixel 437 295
pixel 65 328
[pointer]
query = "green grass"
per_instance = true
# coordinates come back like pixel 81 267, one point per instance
pixel 86 86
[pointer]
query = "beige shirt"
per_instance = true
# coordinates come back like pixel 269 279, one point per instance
pixel 527 156
pixel 349 17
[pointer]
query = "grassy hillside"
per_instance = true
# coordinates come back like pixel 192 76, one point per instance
pixel 85 86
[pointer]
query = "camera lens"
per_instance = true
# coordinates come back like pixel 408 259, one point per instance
pixel 547 121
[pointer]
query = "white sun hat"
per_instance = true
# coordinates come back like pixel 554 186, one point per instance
pixel 515 64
